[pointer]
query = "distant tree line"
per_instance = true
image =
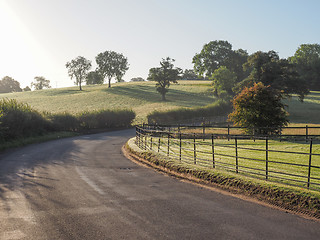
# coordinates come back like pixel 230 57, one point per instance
pixel 8 85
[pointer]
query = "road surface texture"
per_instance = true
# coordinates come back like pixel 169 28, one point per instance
pixel 84 188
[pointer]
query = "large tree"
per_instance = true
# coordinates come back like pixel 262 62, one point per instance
pixel 219 53
pixel 78 68
pixel 307 61
pixel 164 75
pixel 112 64
pixel 8 84
pixel 40 83
pixel 259 109
pixel 280 74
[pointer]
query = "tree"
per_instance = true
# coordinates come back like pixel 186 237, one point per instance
pixel 189 74
pixel 78 68
pixel 280 74
pixel 223 80
pixel 164 75
pixel 307 62
pixel 26 89
pixel 111 64
pixel 40 83
pixel 259 108
pixel 94 77
pixel 213 55
pixel 8 84
pixel 219 53
pixel 137 79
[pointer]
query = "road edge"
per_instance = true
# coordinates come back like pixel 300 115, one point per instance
pixel 284 200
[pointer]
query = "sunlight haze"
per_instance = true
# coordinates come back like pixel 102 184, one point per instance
pixel 40 36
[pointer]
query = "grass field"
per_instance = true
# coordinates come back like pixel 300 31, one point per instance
pixel 141 97
pixel 288 162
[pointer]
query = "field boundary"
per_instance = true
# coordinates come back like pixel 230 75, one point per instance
pixel 243 154
pixel 289 198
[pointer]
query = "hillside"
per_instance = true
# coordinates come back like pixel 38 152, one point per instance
pixel 141 97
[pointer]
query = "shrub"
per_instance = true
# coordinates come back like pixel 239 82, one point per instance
pixel 64 122
pixel 217 108
pixel 20 120
pixel 106 119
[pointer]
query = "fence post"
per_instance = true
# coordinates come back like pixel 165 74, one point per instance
pixel 159 144
pixel 267 157
pixel 203 131
pixel 137 135
pixel 306 132
pixel 145 142
pixel 180 146
pixel 236 143
pixel 309 169
pixel 194 149
pixel 168 143
pixel 212 145
pixel 139 138
pixel 151 142
pixel 228 132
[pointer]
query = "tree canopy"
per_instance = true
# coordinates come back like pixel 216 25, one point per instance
pixel 219 53
pixel 40 83
pixel 280 74
pixel 259 108
pixel 164 75
pixel 94 77
pixel 111 65
pixel 78 68
pixel 8 84
pixel 307 62
pixel 223 80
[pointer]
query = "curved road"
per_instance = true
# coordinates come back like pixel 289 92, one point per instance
pixel 84 188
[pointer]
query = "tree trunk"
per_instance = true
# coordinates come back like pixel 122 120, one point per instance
pixel 80 86
pixel 109 80
pixel 163 97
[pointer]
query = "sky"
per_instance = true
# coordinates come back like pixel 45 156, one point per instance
pixel 38 37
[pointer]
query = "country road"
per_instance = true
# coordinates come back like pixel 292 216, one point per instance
pixel 84 188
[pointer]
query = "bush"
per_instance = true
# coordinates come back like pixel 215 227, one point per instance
pixel 217 108
pixel 105 119
pixel 64 122
pixel 20 120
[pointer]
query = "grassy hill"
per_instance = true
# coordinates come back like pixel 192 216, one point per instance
pixel 143 98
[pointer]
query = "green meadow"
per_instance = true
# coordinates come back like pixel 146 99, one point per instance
pixel 143 98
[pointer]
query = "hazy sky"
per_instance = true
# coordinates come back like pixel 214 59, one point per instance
pixel 38 37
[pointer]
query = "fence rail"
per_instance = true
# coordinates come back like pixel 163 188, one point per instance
pixel 272 158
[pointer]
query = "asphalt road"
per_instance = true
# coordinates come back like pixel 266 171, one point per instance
pixel 84 188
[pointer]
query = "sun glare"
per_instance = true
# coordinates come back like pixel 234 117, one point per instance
pixel 21 55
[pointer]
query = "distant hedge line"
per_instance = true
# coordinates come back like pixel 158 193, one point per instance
pixel 18 120
pixel 217 108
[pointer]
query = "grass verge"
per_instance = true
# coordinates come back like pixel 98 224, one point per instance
pixel 303 201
